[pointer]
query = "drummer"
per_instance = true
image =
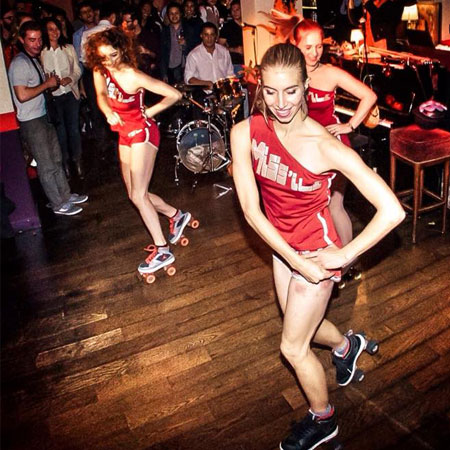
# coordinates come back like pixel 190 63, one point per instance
pixel 207 63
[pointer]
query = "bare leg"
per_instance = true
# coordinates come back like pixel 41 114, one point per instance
pixel 339 215
pixel 305 308
pixel 137 165
pixel 327 334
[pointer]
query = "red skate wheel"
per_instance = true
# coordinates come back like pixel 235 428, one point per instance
pixel 149 278
pixel 171 271
pixel 184 241
pixel 194 223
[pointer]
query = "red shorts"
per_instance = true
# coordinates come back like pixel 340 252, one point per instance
pixel 148 134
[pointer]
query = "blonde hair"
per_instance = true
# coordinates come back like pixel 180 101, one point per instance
pixel 280 55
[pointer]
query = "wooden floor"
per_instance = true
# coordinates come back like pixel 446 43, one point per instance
pixel 94 359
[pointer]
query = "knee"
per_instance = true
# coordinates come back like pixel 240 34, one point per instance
pixel 137 198
pixel 294 352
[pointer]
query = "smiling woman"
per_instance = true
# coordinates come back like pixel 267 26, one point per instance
pixel 293 159
pixel 60 58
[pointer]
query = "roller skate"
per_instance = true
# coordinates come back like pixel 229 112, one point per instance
pixel 159 258
pixel 311 432
pixel 177 225
pixel 352 274
pixel 346 367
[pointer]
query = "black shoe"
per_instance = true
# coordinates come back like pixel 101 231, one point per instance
pixel 346 367
pixel 310 433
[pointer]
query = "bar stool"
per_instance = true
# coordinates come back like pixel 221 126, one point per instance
pixel 421 148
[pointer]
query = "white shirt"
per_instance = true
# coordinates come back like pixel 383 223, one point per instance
pixel 64 61
pixel 101 26
pixel 206 66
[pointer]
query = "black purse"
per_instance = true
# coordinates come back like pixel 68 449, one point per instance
pixel 50 101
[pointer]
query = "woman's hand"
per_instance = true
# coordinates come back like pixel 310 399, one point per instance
pixel 329 258
pixel 311 270
pixel 114 119
pixel 339 128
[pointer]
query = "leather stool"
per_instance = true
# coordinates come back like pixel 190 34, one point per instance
pixel 421 148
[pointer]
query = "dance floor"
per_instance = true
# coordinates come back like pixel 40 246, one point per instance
pixel 93 358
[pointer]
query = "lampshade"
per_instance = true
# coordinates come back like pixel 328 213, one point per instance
pixel 356 35
pixel 410 13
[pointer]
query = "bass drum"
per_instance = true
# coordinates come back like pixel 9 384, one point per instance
pixel 193 147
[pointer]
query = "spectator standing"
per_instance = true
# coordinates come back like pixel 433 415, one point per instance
pixel 173 46
pixel 231 36
pixel 210 13
pixel 86 15
pixel 192 25
pixel 147 41
pixel 157 14
pixel 107 20
pixel 27 82
pixel 60 58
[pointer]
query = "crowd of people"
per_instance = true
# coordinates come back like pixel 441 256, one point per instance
pixel 166 36
pixel 284 154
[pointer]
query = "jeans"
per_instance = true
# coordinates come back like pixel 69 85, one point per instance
pixel 41 140
pixel 68 128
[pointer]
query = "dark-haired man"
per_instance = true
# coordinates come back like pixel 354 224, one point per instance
pixel 173 46
pixel 209 61
pixel 87 16
pixel 28 83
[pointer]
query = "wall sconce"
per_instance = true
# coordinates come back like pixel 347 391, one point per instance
pixel 411 15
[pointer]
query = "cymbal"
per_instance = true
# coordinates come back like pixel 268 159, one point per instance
pixel 187 87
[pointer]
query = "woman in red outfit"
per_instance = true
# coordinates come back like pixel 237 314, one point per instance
pixel 120 90
pixel 293 160
pixel 323 81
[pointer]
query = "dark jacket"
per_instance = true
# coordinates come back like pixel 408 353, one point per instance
pixel 165 50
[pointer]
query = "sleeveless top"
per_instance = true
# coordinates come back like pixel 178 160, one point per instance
pixel 130 107
pixel 321 109
pixel 295 199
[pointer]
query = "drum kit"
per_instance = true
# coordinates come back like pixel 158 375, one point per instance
pixel 203 144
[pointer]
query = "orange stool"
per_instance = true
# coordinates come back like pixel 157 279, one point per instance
pixel 421 148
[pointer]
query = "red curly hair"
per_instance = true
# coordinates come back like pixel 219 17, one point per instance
pixel 117 39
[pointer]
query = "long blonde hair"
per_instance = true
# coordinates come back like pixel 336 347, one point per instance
pixel 280 55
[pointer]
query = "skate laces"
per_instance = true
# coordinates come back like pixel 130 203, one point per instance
pixel 172 225
pixel 153 250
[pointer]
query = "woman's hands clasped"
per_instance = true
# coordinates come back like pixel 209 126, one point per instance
pixel 312 271
pixel 329 258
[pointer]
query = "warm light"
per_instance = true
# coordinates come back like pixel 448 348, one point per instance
pixel 410 13
pixel 356 35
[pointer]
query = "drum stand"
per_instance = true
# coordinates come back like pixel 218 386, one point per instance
pixel 209 157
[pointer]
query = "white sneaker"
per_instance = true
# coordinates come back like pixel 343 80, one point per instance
pixel 68 209
pixel 77 199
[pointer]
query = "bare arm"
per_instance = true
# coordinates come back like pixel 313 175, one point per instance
pixel 197 82
pixel 102 100
pixel 170 94
pixel 389 212
pixel 366 96
pixel 247 191
pixel 25 93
